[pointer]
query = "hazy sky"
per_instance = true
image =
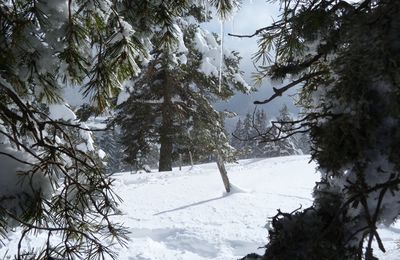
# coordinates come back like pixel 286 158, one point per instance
pixel 251 16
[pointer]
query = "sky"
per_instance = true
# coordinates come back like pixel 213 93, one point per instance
pixel 251 16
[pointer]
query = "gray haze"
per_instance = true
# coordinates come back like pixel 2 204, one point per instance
pixel 251 16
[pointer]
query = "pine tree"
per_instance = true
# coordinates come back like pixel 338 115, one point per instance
pixel 245 134
pixel 345 55
pixel 256 138
pixel 260 121
pixel 52 178
pixel 109 141
pixel 237 137
pixel 249 133
pixel 260 127
pixel 170 102
pixel 286 146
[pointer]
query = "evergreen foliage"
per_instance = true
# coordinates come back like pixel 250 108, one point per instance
pixel 52 178
pixel 345 54
pixel 170 102
pixel 278 139
pixel 256 137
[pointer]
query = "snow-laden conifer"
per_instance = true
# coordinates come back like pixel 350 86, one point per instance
pixel 345 56
pixel 52 177
pixel 170 102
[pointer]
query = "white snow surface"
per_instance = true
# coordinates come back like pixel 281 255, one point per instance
pixel 187 215
pixel 61 112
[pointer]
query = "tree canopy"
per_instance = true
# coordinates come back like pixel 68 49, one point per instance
pixel 52 178
pixel 344 55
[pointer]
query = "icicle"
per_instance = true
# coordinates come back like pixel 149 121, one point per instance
pixel 205 5
pixel 221 60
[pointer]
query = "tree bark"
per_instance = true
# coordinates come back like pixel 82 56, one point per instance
pixel 166 132
pixel 166 129
pixel 224 174
pixel 165 161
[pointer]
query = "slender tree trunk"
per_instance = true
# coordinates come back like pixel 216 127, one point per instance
pixel 224 174
pixel 180 162
pixel 191 158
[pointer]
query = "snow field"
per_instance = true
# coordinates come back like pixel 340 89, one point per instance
pixel 186 215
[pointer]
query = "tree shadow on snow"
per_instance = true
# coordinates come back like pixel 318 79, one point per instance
pixel 190 205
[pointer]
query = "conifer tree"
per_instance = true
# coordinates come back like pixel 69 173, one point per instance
pixel 249 133
pixel 237 137
pixel 280 127
pixel 110 142
pixel 52 179
pixel 257 138
pixel 170 101
pixel 260 121
pixel 345 55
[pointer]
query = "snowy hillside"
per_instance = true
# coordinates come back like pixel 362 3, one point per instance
pixel 185 214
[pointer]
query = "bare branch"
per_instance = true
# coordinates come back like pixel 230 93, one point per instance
pixel 257 32
pixel 280 91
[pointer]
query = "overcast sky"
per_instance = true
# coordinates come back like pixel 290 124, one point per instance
pixel 251 16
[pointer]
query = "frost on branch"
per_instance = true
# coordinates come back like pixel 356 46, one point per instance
pixel 52 180
pixel 348 70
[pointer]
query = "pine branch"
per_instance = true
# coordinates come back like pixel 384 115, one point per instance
pixel 274 26
pixel 280 91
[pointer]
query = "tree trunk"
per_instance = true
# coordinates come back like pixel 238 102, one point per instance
pixel 224 174
pixel 191 158
pixel 165 161
pixel 180 162
pixel 166 129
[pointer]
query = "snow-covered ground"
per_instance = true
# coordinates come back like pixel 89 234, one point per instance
pixel 186 214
